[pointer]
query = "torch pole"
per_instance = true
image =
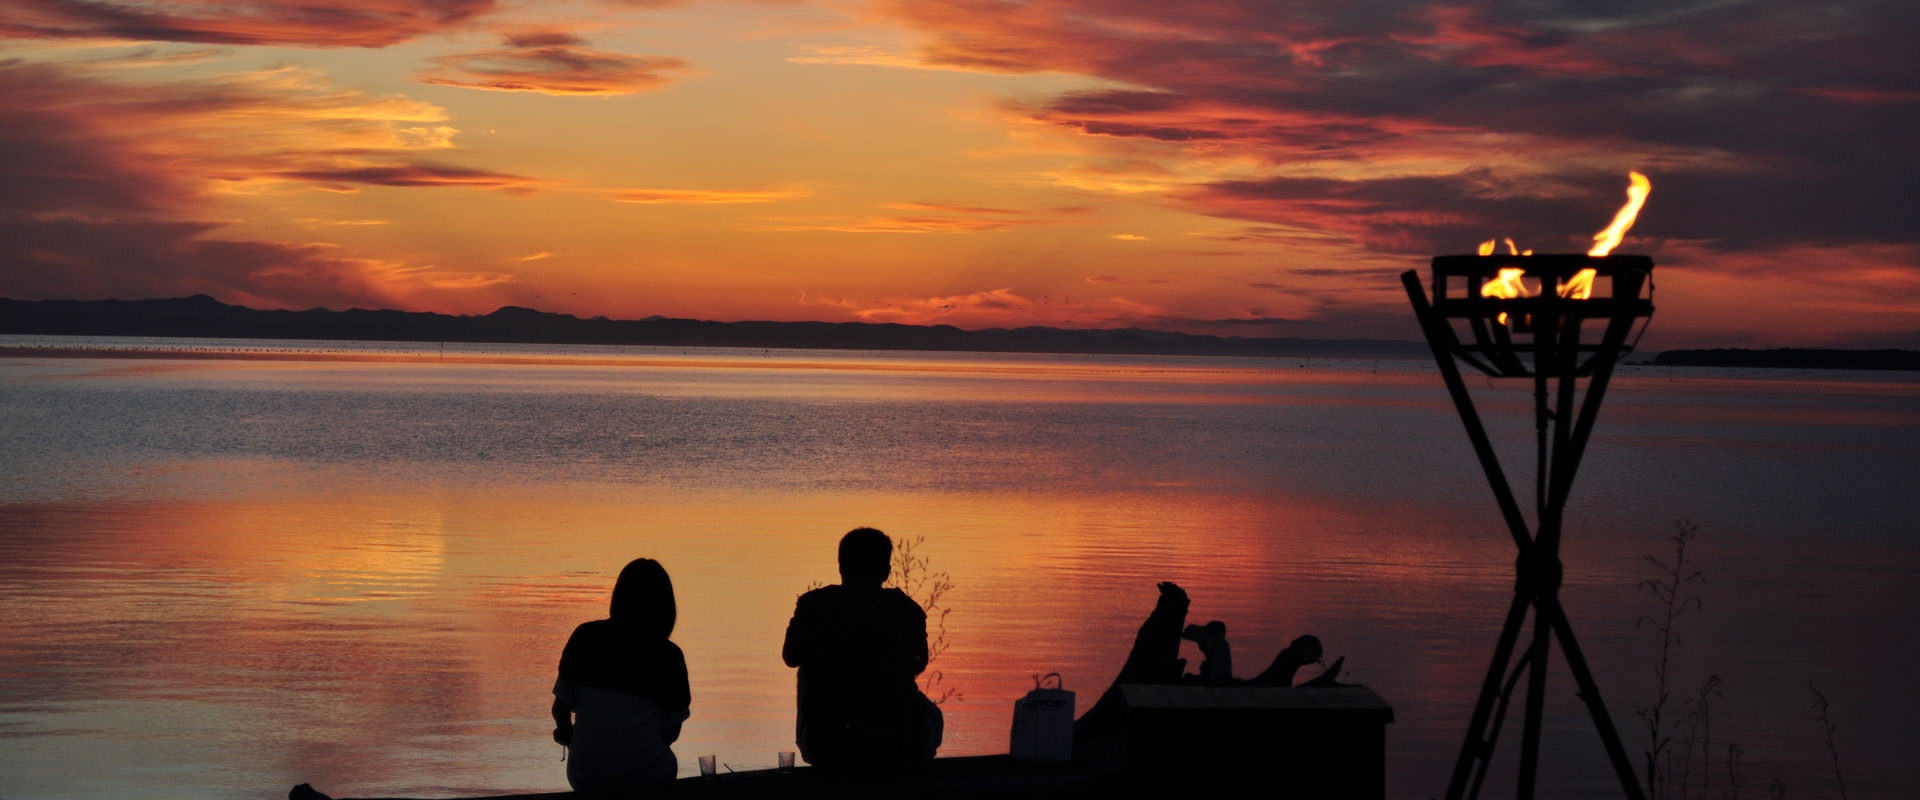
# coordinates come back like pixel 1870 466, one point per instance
pixel 1561 434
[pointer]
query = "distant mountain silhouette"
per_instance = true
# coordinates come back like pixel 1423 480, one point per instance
pixel 1792 358
pixel 203 316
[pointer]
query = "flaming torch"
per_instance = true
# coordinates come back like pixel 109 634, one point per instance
pixel 1493 312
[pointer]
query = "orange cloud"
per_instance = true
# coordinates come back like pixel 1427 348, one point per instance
pixel 706 197
pixel 895 225
pixel 554 63
pixel 866 56
pixel 343 222
pixel 997 308
pixel 944 208
pixel 941 218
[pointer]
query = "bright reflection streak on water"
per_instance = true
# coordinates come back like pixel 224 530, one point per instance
pixel 226 576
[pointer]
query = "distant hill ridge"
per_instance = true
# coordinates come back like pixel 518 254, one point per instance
pixel 1792 358
pixel 206 317
pixel 203 316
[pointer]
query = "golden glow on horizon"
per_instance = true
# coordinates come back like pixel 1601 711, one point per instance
pixel 901 163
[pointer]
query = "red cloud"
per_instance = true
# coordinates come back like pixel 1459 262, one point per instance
pixel 416 175
pixel 119 259
pixel 555 63
pixel 1464 36
pixel 1863 95
pixel 541 38
pixel 312 23
pixel 1762 125
pixel 149 145
pixel 100 182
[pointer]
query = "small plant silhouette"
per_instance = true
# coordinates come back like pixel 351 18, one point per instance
pixel 1827 727
pixel 1734 752
pixel 914 574
pixel 1700 736
pixel 1670 769
pixel 1670 589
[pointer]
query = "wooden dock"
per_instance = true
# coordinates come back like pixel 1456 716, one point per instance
pixel 1307 742
pixel 968 776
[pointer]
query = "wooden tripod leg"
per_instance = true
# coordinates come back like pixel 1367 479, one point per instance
pixel 1536 705
pixel 1552 612
pixel 1475 746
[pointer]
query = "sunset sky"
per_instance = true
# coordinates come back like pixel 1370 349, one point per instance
pixel 1244 168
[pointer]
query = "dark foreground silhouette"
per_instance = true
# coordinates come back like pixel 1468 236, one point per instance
pixel 1155 659
pixel 859 648
pixel 622 691
pixel 869 732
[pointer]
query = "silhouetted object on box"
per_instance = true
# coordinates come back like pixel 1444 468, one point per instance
pixel 1135 728
pixel 859 648
pixel 1517 328
pixel 1217 656
pixel 1043 723
pixel 622 691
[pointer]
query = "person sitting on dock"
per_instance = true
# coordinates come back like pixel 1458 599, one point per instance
pixel 859 648
pixel 622 692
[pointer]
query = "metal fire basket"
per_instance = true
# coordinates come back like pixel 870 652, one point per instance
pixel 1616 296
pixel 1536 321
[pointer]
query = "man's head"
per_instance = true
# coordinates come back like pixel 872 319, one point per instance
pixel 866 557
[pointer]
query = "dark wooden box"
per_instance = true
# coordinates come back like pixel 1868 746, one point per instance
pixel 1318 742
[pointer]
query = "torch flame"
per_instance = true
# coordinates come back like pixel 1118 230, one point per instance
pixel 1505 286
pixel 1606 240
pixel 1580 286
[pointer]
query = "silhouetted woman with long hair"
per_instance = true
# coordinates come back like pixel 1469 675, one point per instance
pixel 622 691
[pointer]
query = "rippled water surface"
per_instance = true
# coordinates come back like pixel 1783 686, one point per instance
pixel 224 573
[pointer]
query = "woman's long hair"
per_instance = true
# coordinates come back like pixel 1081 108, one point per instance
pixel 643 599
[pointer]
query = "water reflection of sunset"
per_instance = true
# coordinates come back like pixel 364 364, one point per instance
pixel 364 602
pixel 365 570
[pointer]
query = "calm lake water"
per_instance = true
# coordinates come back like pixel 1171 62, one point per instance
pixel 355 564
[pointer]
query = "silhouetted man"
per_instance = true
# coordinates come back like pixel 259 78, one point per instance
pixel 859 648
